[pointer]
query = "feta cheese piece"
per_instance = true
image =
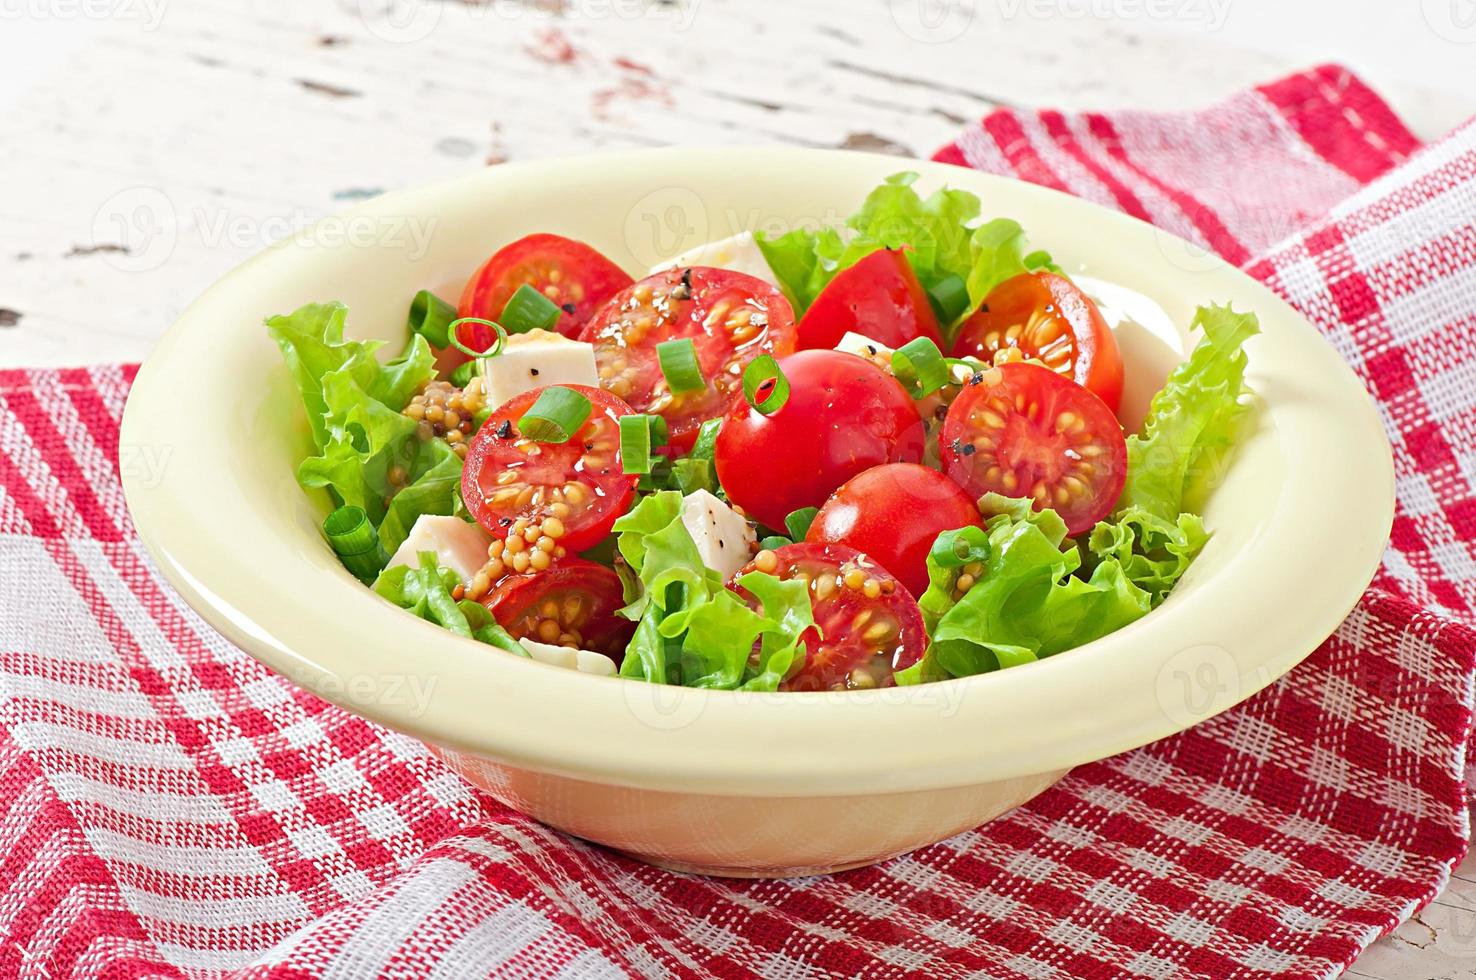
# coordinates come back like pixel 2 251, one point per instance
pixel 534 359
pixel 584 661
pixel 861 345
pixel 737 252
pixel 722 536
pixel 459 546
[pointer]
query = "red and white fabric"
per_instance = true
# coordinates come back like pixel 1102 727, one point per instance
pixel 168 807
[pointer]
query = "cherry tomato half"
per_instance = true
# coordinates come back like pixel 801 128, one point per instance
pixel 572 604
pixel 575 488
pixel 878 297
pixel 870 626
pixel 570 273
pixel 844 415
pixel 730 317
pixel 1025 431
pixel 1047 319
pixel 894 513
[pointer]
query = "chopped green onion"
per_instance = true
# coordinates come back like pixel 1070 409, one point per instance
pixel 706 445
pixel 1038 260
pixel 555 416
pixel 774 541
pixel 491 347
pixel 798 522
pixel 431 316
pixel 919 365
pixel 356 543
pixel 462 375
pixel 638 435
pixel 949 297
pixel 528 309
pixel 761 371
pixel 679 365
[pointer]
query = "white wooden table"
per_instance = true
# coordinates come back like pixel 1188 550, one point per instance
pixel 151 145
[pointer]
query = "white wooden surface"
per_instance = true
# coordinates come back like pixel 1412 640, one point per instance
pixel 151 145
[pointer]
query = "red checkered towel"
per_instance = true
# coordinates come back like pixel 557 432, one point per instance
pixel 168 806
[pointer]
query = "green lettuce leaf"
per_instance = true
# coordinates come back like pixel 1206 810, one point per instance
pixel 691 629
pixel 789 616
pixel 941 233
pixel 1194 421
pixel 353 404
pixel 1153 553
pixel 1028 602
pixel 425 590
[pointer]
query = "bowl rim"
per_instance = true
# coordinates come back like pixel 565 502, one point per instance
pixel 1100 699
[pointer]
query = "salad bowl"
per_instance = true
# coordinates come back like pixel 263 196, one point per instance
pixel 732 782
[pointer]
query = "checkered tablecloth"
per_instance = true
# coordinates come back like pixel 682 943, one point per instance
pixel 169 807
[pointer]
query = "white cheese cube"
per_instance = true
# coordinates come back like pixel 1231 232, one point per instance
pixel 459 546
pixel 534 359
pixel 861 345
pixel 722 536
pixel 737 252
pixel 584 661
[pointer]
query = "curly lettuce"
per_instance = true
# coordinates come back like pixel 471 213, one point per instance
pixel 354 405
pixel 1036 592
pixel 691 629
pixel 424 589
pixel 941 232
pixel 1195 419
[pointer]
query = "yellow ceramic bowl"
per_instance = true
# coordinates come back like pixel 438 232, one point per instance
pixel 719 781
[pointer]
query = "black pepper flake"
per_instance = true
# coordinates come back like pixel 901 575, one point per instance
pixel 983 307
pixel 976 378
pixel 505 521
pixel 504 431
pixel 569 308
pixel 968 449
pixel 683 289
pixel 533 371
pixel 871 349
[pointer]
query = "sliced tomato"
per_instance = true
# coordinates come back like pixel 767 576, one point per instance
pixel 844 415
pixel 870 626
pixel 1047 318
pixel 730 317
pixel 1023 430
pixel 894 513
pixel 878 297
pixel 573 490
pixel 570 273
pixel 571 604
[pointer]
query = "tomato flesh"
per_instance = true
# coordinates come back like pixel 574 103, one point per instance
pixel 575 488
pixel 844 415
pixel 570 273
pixel 1047 318
pixel 730 317
pixel 894 513
pixel 1025 431
pixel 870 626
pixel 572 604
pixel 878 297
